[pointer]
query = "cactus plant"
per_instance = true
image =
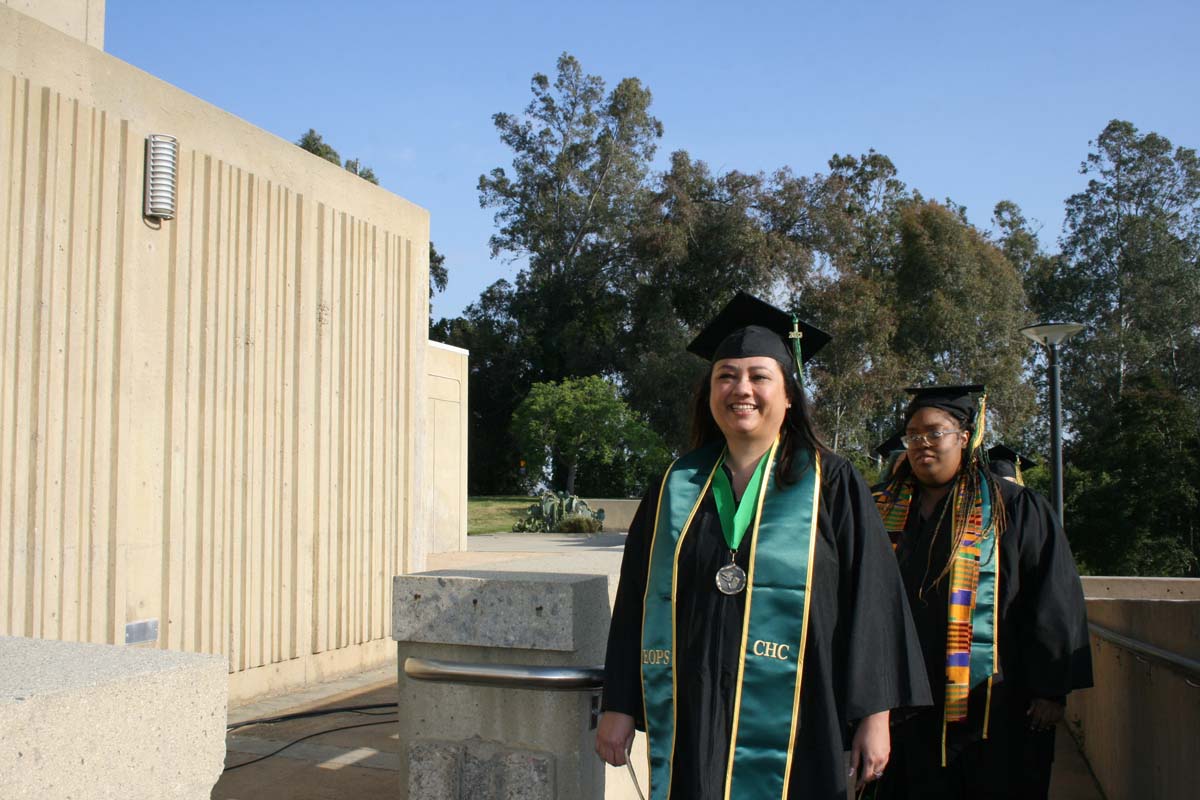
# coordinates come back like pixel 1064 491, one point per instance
pixel 552 510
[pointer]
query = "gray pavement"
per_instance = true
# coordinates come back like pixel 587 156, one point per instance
pixel 361 763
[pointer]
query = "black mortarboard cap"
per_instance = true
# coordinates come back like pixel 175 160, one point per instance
pixel 1001 453
pixel 748 327
pixel 890 446
pixel 958 401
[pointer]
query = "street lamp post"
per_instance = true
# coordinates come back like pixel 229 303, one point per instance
pixel 1052 334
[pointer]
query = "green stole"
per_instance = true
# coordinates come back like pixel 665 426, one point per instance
pixel 774 629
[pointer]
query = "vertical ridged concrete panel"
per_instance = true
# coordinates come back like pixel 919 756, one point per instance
pixel 204 421
pixel 446 455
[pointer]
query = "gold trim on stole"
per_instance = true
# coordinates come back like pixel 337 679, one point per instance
pixel 737 698
pixel 674 591
pixel 812 543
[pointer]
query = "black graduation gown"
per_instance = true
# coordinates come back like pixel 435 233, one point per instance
pixel 1043 652
pixel 861 657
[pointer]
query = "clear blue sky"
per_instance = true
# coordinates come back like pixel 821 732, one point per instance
pixel 976 102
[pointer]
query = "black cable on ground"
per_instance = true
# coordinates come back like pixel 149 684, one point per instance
pixel 320 712
pixel 301 739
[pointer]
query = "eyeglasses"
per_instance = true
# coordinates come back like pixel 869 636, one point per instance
pixel 921 439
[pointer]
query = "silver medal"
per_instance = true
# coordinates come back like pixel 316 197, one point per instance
pixel 731 579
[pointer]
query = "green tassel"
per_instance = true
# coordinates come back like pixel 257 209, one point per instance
pixel 796 336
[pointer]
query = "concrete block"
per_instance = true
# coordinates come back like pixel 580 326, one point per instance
pixel 434 770
pixel 493 618
pixel 527 776
pixel 481 773
pixel 511 610
pixel 92 721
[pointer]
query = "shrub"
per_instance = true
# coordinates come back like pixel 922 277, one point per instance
pixel 577 523
pixel 552 510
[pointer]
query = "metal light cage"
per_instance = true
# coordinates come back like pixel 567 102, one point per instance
pixel 162 162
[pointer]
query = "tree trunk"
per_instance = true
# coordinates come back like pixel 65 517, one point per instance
pixel 571 469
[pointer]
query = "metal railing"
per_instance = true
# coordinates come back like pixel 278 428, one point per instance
pixel 1184 666
pixel 506 676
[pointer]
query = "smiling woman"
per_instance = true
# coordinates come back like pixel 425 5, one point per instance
pixel 760 627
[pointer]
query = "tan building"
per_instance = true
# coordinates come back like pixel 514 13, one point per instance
pixel 215 429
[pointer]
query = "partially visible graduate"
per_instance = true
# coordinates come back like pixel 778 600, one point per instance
pixel 997 603
pixel 1008 463
pixel 890 453
pixel 760 627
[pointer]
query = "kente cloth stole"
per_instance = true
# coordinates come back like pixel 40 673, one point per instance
pixel 774 628
pixel 971 616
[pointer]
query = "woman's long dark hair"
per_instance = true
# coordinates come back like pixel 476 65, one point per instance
pixel 798 434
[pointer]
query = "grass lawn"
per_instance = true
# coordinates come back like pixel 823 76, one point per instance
pixel 495 514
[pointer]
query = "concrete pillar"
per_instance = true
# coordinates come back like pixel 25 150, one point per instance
pixel 482 743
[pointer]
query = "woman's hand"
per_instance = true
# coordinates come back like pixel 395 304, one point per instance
pixel 870 749
pixel 614 737
pixel 1044 713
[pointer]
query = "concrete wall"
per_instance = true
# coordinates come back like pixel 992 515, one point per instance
pixel 618 513
pixel 79 19
pixel 1140 725
pixel 446 457
pixel 98 722
pixel 208 422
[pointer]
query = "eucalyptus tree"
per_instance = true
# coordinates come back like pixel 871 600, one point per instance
pixel 581 157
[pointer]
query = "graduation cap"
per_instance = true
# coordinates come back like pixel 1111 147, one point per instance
pixel 890 446
pixel 748 327
pixel 1004 453
pixel 957 401
pixel 1008 463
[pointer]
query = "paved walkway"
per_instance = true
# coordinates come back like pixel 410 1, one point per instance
pixel 361 761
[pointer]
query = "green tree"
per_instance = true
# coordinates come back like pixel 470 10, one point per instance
pixel 1133 499
pixel 439 278
pixel 1131 250
pixel 851 222
pixel 366 173
pixel 580 158
pixel 313 143
pixel 960 306
pixel 1131 380
pixel 575 421
pixel 699 238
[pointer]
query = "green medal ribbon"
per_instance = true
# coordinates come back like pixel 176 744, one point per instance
pixel 734 523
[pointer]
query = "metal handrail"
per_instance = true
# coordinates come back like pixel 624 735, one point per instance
pixel 506 676
pixel 1187 667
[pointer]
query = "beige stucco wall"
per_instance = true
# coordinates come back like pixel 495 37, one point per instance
pixel 446 457
pixel 208 422
pixel 80 19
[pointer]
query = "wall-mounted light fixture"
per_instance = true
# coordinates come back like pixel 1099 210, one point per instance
pixel 162 161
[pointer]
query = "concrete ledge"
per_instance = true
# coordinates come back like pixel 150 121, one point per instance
pixel 94 721
pixel 524 611
pixel 1133 588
